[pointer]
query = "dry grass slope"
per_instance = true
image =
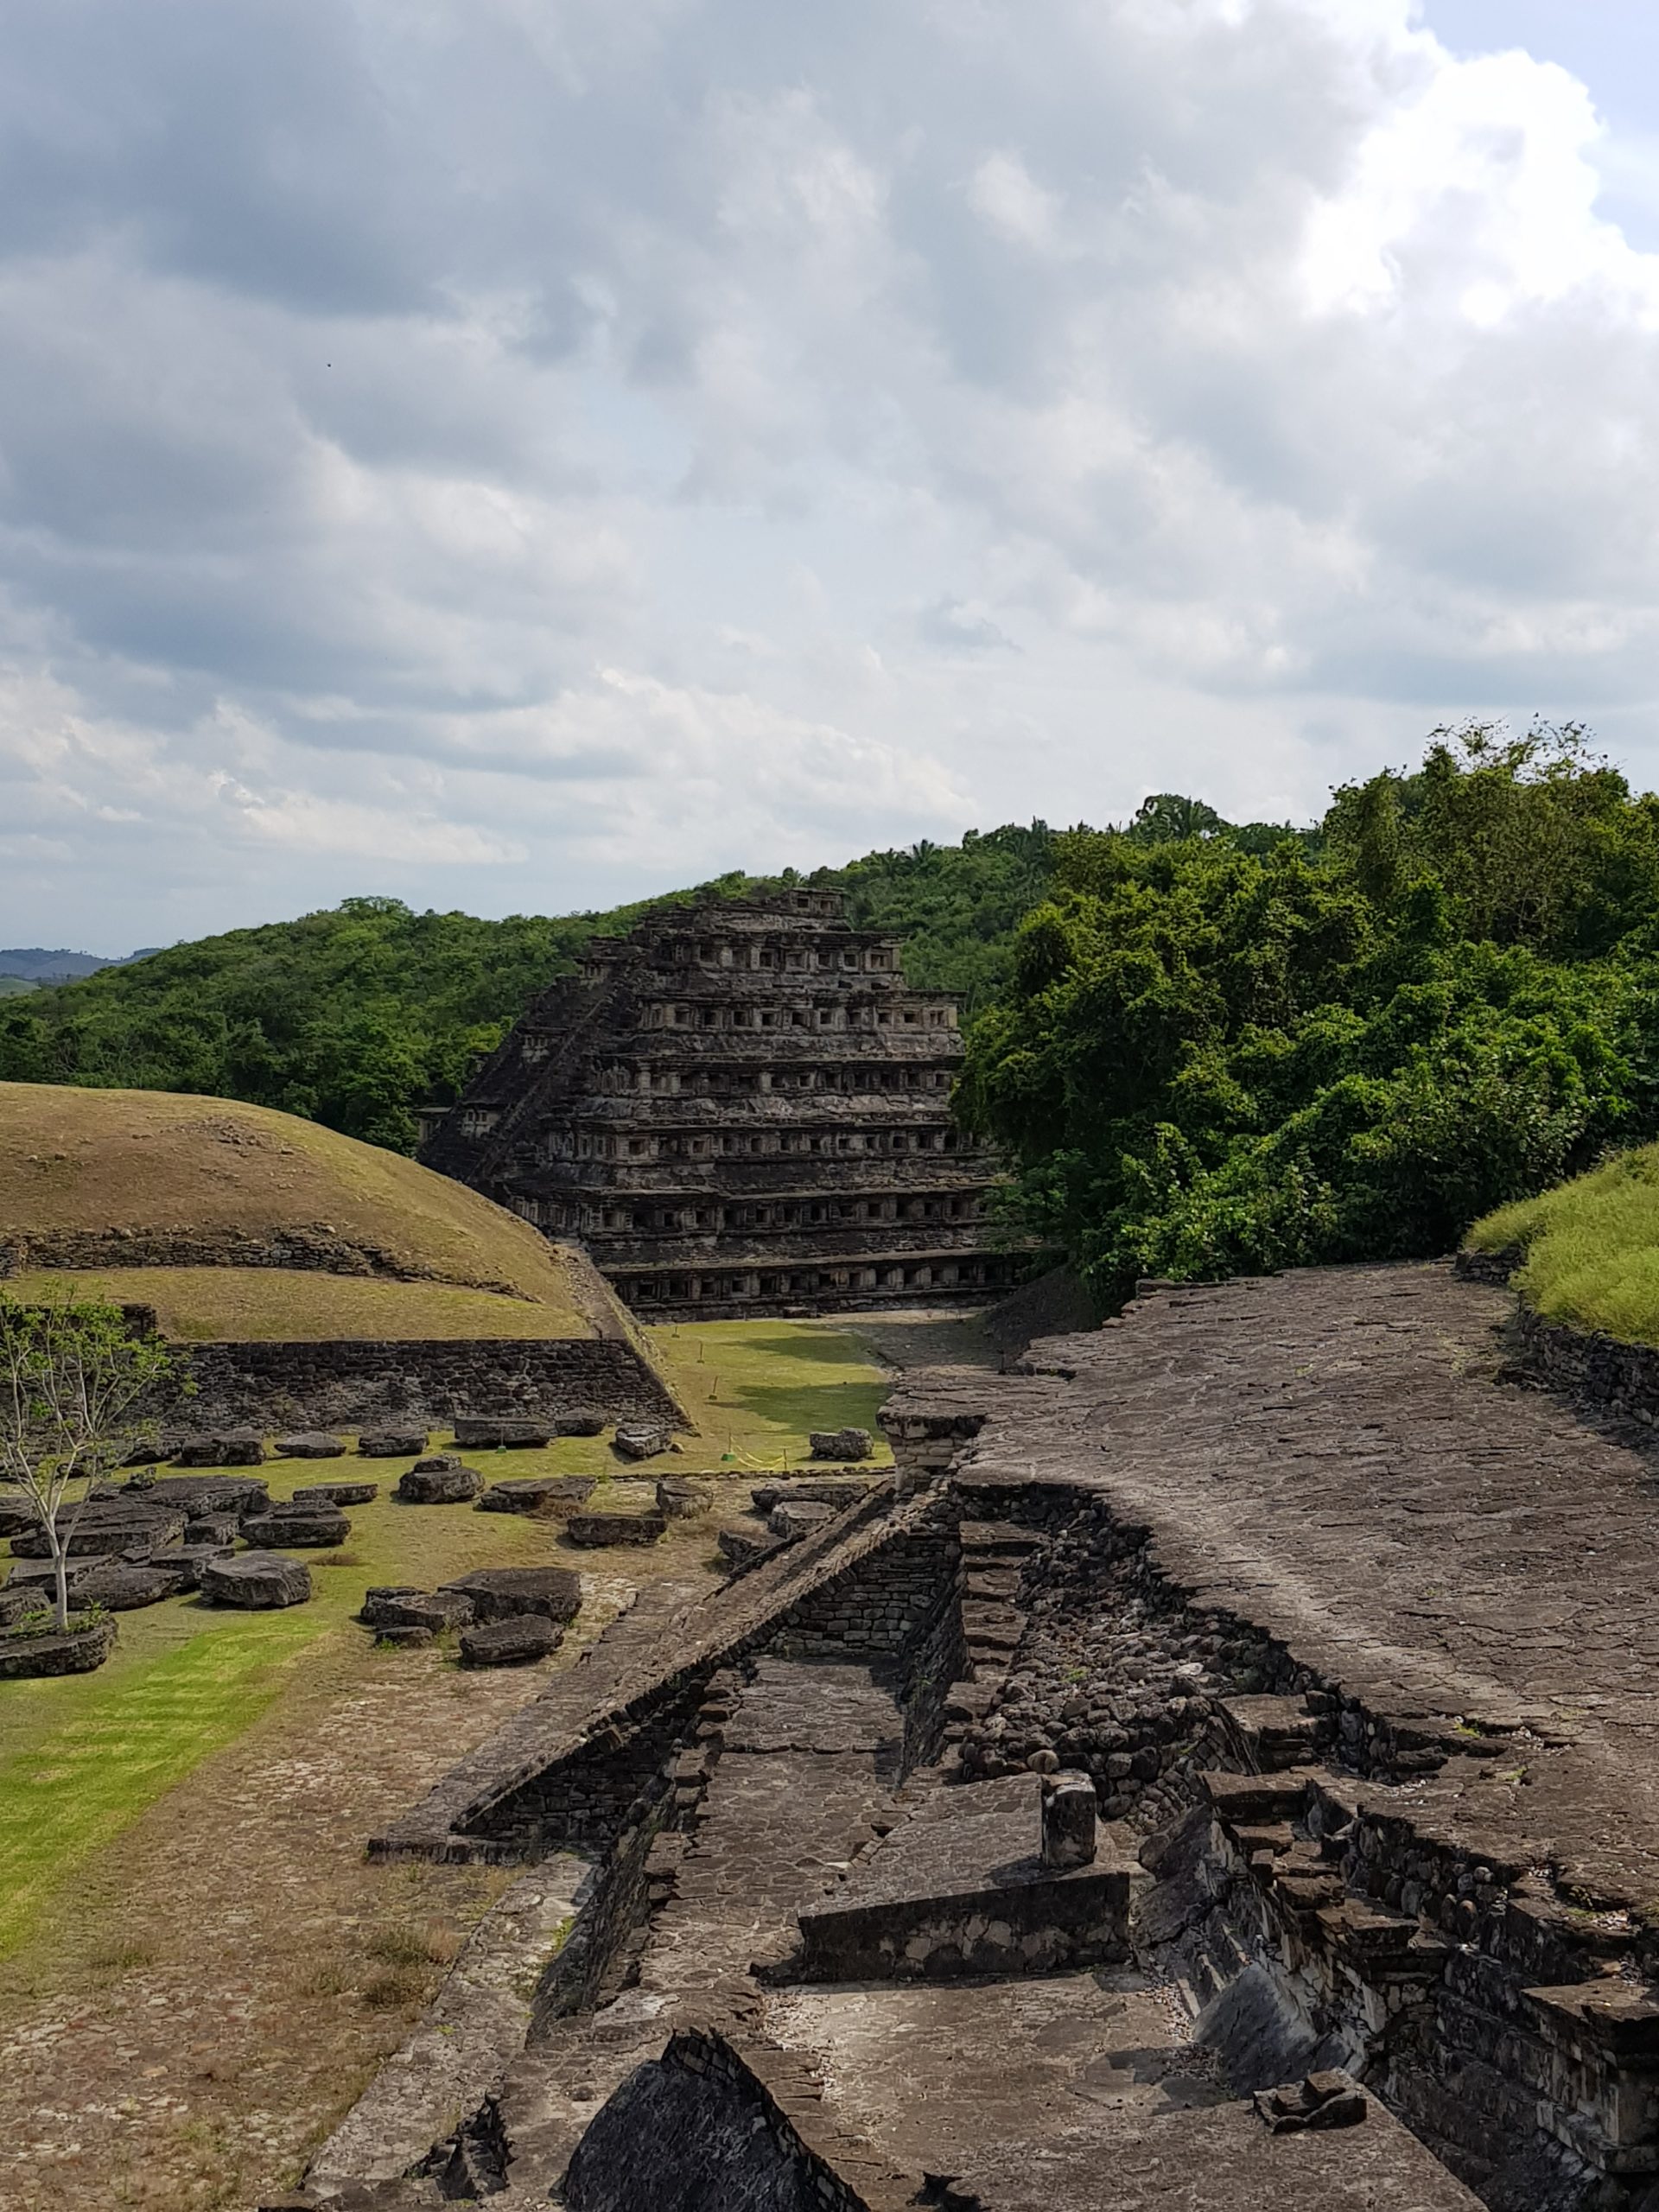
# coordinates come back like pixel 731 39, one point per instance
pixel 290 1306
pixel 1592 1248
pixel 147 1161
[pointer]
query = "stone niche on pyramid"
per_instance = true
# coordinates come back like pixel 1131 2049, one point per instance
pixel 739 1107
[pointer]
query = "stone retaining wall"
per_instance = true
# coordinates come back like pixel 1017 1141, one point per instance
pixel 356 1382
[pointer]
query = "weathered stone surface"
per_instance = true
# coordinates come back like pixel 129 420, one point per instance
pixel 404 1636
pixel 17 1599
pixel 201 1495
pixel 433 1612
pixel 256 1581
pixel 512 1641
pixel 580 1424
pixel 337 1494
pixel 189 1559
pixel 513 1431
pixel 303 1528
pixel 350 1384
pixel 598 1530
pixel 231 1447
pixel 105 1526
pixel 831 1490
pixel 310 1444
pixel 1071 1812
pixel 960 1887
pixel 213 1531
pixel 14 1519
pixel 391 1443
pixel 498 1592
pixel 27 1657
pixel 798 1516
pixel 745 1545
pixel 442 1480
pixel 380 1595
pixel 842 1443
pixel 684 1501
pixel 642 1440
pixel 549 1497
pixel 122 1589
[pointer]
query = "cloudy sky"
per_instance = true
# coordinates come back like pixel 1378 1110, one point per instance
pixel 519 453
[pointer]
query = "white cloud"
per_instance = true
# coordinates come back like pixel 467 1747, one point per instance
pixel 575 450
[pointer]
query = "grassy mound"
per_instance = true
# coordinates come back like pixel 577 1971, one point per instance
pixel 1590 1248
pixel 147 1161
pixel 291 1305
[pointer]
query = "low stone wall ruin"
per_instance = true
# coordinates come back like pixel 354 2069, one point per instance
pixel 354 1382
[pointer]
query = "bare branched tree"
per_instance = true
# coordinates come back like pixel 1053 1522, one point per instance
pixel 77 1386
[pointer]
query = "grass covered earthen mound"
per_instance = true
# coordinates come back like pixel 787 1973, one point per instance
pixel 234 1220
pixel 1589 1249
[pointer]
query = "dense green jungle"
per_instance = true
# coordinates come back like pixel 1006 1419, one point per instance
pixel 1206 1048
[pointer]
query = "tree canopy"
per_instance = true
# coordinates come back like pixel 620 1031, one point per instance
pixel 1211 1057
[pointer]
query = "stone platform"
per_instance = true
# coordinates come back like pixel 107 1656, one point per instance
pixel 1356 1638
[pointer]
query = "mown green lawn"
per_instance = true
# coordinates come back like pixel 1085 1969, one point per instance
pixel 83 1757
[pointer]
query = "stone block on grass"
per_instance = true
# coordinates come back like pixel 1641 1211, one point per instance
pixel 29 1657
pixel 642 1440
pixel 682 1500
pixel 120 1588
pixel 308 1529
pixel 256 1581
pixel 404 1638
pixel 515 1642
pixel 842 1443
pixel 391 1443
pixel 580 1424
pixel 226 1447
pixel 105 1529
pixel 501 1432
pixel 310 1444
pixel 199 1496
pixel 497 1594
pixel 417 1609
pixel 549 1497
pixel 337 1494
pixel 596 1531
pixel 440 1480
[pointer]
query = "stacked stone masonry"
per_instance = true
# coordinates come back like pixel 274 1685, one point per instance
pixel 740 1107
pixel 1355 1640
pixel 362 1382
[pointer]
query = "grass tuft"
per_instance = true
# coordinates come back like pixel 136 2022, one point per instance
pixel 1590 1248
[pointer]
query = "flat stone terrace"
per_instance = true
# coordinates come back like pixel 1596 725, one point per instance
pixel 1337 1457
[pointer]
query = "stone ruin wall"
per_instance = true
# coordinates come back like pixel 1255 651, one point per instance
pixel 359 1382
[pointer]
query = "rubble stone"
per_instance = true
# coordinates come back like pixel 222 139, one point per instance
pixel 391 1443
pixel 595 1530
pixel 256 1581
pixel 442 1480
pixel 513 1641
pixel 498 1592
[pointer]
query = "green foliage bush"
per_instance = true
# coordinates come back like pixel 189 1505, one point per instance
pixel 1213 1057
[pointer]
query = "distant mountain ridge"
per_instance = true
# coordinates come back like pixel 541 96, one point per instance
pixel 35 965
